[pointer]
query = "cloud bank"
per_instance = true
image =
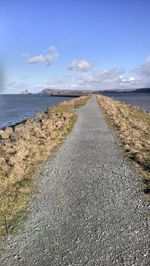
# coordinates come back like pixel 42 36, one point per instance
pixel 95 80
pixel 106 79
pixel 21 86
pixel 82 77
pixel 48 58
pixel 113 78
pixel 80 65
pixel 143 74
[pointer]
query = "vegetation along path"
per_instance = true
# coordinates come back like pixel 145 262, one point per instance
pixel 90 209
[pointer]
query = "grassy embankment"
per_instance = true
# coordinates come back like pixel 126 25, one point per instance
pixel 23 149
pixel 133 126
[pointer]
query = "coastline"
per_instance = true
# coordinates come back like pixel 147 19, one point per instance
pixel 16 108
pixel 24 147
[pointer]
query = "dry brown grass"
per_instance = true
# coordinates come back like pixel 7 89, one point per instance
pixel 133 125
pixel 71 105
pixel 27 146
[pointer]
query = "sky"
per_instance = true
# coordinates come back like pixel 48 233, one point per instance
pixel 74 44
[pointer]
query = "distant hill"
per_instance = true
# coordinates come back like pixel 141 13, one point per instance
pixel 74 93
pixel 141 90
pixel 58 92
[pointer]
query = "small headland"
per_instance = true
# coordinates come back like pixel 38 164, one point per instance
pixel 133 127
pixel 23 149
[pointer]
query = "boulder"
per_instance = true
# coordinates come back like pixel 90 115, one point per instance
pixel 40 116
pixel 30 121
pixel 6 133
pixel 19 127
pixel 1 132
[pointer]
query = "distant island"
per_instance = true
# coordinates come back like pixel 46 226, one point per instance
pixel 69 93
pixel 139 90
pixel 75 93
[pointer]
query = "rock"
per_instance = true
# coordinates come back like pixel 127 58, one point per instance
pixel 1 132
pixel 19 131
pixel 2 161
pixel 40 116
pixel 13 137
pixel 19 128
pixel 30 121
pixel 6 133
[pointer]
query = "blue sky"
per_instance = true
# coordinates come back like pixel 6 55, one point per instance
pixel 80 44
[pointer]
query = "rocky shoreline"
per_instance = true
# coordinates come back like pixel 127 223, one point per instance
pixel 23 147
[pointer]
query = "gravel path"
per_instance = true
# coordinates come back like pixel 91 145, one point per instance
pixel 90 210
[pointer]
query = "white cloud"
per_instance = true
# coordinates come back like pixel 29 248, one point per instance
pixel 48 58
pixel 96 80
pixel 52 49
pixel 113 78
pixel 80 65
pixel 144 69
pixel 18 87
pixel 106 79
pixel 143 74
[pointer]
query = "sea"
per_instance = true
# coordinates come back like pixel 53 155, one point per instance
pixel 16 108
pixel 141 100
